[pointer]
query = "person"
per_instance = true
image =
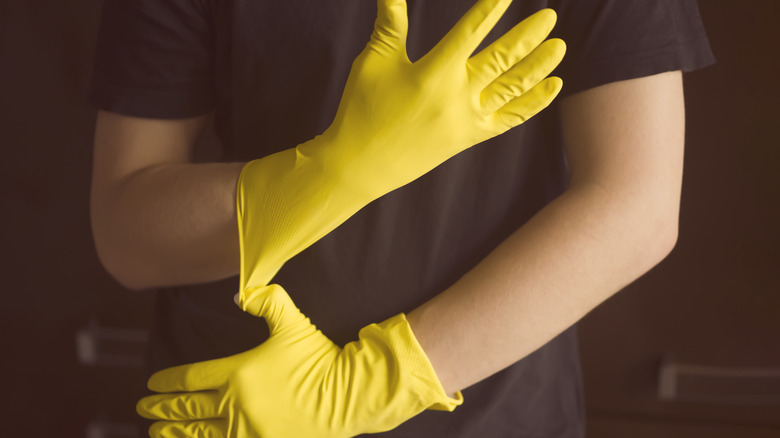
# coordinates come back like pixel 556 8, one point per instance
pixel 494 254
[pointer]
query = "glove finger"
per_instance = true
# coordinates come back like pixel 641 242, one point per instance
pixel 391 26
pixel 528 105
pixel 274 304
pixel 178 429
pixel 200 376
pixel 188 406
pixel 471 29
pixel 513 46
pixel 524 75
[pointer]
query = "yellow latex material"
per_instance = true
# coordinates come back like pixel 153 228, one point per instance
pixel 397 120
pixel 298 383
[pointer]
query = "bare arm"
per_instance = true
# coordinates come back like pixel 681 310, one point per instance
pixel 617 220
pixel 157 218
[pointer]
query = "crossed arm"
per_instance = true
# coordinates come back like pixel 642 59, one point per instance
pixel 161 219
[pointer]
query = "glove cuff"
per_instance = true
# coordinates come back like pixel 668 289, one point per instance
pixel 285 202
pixel 414 366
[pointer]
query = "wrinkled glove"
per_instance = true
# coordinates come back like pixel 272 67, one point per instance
pixel 397 120
pixel 298 383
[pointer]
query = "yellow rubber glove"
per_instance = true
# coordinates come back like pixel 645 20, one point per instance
pixel 298 384
pixel 397 120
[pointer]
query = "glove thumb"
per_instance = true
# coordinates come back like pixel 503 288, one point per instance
pixel 272 303
pixel 391 26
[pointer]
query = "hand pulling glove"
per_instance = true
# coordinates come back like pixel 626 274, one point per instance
pixel 396 121
pixel 298 383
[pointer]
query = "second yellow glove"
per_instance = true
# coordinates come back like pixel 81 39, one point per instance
pixel 298 383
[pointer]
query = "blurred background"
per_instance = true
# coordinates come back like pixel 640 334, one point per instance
pixel 692 349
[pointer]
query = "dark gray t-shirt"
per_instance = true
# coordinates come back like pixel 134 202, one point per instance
pixel 274 71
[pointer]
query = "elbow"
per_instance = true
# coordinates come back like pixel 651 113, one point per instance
pixel 661 238
pixel 111 253
pixel 668 241
pixel 117 264
pixel 112 262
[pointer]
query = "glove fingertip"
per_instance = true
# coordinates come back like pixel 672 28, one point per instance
pixel 550 15
pixel 554 84
pixel 155 430
pixel 252 302
pixel 141 409
pixel 158 383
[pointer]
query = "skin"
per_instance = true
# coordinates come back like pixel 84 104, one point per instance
pixel 617 220
pixel 157 219
pixel 160 220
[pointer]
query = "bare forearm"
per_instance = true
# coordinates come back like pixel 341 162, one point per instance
pixel 573 255
pixel 169 224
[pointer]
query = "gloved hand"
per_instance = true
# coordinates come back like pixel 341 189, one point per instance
pixel 397 120
pixel 298 384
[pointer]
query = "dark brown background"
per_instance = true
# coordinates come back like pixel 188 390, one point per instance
pixel 714 302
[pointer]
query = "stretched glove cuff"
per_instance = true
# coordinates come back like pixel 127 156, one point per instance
pixel 285 202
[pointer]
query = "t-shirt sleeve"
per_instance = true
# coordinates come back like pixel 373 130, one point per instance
pixel 615 40
pixel 154 59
